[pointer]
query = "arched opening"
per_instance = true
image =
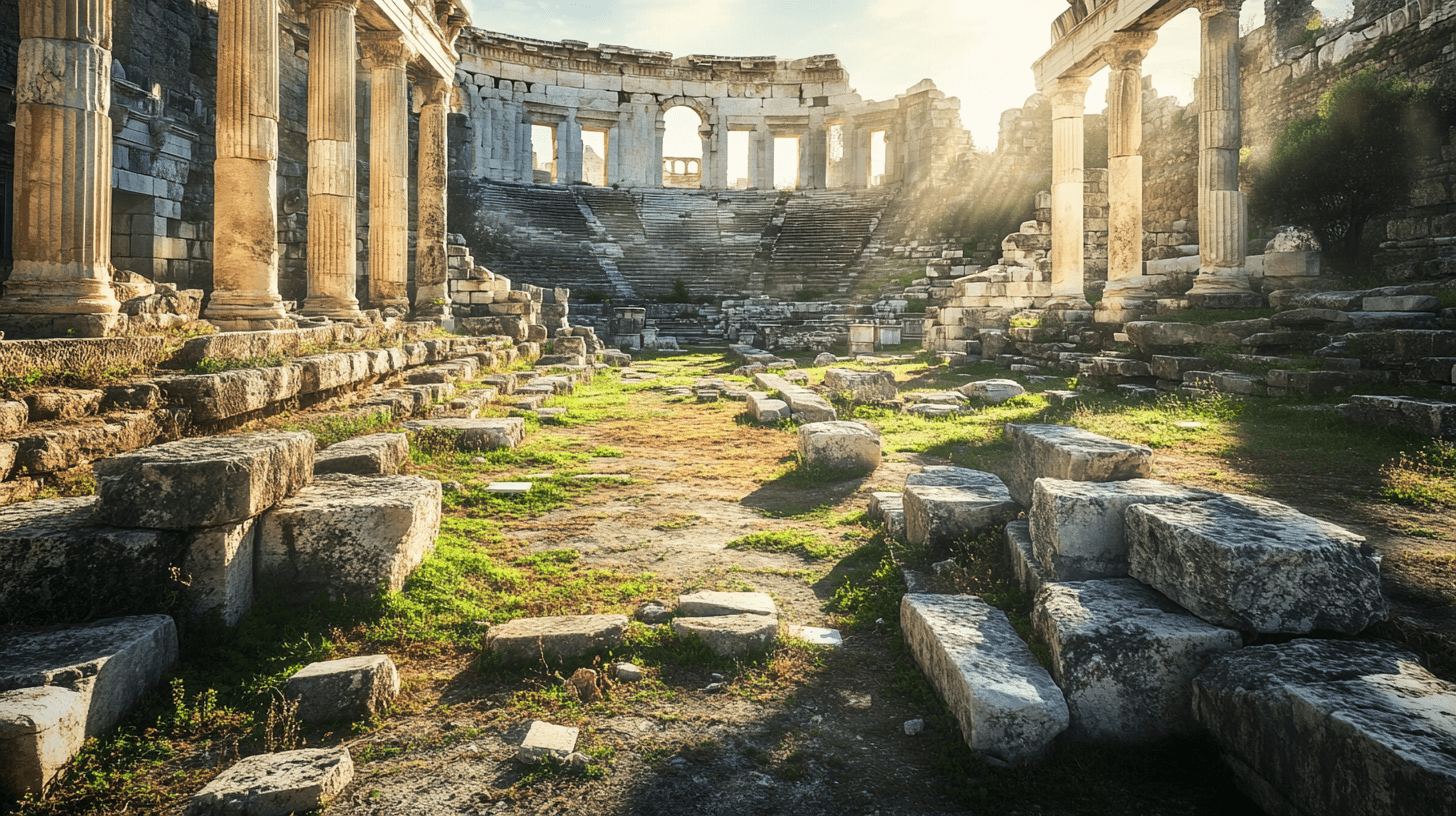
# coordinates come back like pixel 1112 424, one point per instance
pixel 682 142
pixel 738 159
pixel 878 158
pixel 543 154
pixel 786 162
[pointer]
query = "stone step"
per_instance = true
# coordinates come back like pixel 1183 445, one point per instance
pixel 939 514
pixel 1062 452
pixel 374 455
pixel 1426 417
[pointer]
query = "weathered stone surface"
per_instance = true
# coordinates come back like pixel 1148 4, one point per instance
pixel 1008 707
pixel 994 391
pixel 945 476
pixel 808 407
pixel 1307 318
pixel 1333 728
pixel 1390 321
pixel 766 410
pixel 889 508
pixel 47 450
pixel 1154 335
pixel 217 567
pixel 864 386
pixel 1401 303
pixel 943 514
pixel 825 359
pixel 840 446
pixel 1077 527
pixel 1030 574
pixel 526 639
pixel 1256 565
pixel 276 784
pixel 1124 657
pixel 731 635
pixel 41 729
pixel 202 482
pixel 545 740
pixel 214 397
pixel 348 536
pixel 1062 452
pixel 13 415
pixel 376 455
pixel 63 404
pixel 476 434
pixel 1427 417
pixel 355 688
pixel 1172 368
pixel 713 604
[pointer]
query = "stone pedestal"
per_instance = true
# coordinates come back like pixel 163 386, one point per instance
pixel 1068 193
pixel 387 56
pixel 62 171
pixel 332 260
pixel 432 291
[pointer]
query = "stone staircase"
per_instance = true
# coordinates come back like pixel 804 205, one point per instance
pixel 823 234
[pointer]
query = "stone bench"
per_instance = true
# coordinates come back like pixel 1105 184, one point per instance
pixel 1062 452
pixel 849 447
pixel 949 504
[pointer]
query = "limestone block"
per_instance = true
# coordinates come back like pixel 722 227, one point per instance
pixel 1334 728
pixel 731 635
pixel 1031 576
pixel 1401 303
pixel 1077 527
pixel 322 372
pixel 864 386
pixel 713 604
pixel 13 416
pixel 476 434
pixel 1125 657
pixel 348 536
pixel 214 397
pixel 63 404
pixel 945 476
pixel 203 482
pixel 1173 368
pixel 526 639
pixel 840 446
pixel 993 391
pixel 765 410
pixel 1062 452
pixel 1423 416
pixel 355 688
pixel 276 784
pixel 218 568
pixel 938 515
pixel 544 740
pixel 1008 707
pixel 1256 565
pixel 375 455
pixel 41 729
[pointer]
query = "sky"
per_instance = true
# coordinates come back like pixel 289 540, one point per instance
pixel 978 50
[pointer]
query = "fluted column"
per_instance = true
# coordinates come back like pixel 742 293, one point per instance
pixel 245 198
pixel 1222 217
pixel 387 56
pixel 1125 281
pixel 332 185
pixel 1069 96
pixel 63 166
pixel 432 289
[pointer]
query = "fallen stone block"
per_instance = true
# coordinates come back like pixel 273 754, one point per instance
pixel 375 455
pixel 1031 576
pixel 47 450
pixel 993 391
pixel 945 476
pixel 714 604
pixel 475 434
pixel 63 404
pixel 215 397
pixel 849 447
pixel 731 635
pixel 546 740
pixel 1333 728
pixel 939 515
pixel 1401 303
pixel 1062 452
pixel 41 730
pixel 202 482
pixel 217 567
pixel 863 386
pixel 1426 417
pixel 563 638
pixel 355 688
pixel 276 784
pixel 1007 705
pixel 348 536
pixel 808 407
pixel 765 410
pixel 1256 565
pixel 1077 527
pixel 1173 368
pixel 817 636
pixel 1125 657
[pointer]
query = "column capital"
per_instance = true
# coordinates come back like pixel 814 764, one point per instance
pixel 385 49
pixel 1126 50
pixel 434 90
pixel 1068 95
pixel 1214 8
pixel 320 5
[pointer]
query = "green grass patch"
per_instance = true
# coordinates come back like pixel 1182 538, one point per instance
pixel 798 542
pixel 1425 478
pixel 331 429
pixel 220 364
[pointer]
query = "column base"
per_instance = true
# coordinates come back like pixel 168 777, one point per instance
pixel 332 308
pixel 245 307
pixel 1075 303
pixel 50 326
pixel 225 326
pixel 59 288
pixel 434 311
pixel 1224 289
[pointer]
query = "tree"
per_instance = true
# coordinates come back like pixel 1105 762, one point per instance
pixel 1355 158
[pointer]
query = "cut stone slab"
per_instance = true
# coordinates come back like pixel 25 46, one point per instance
pixel 476 434
pixel 809 407
pixel 348 536
pixel 510 488
pixel 526 639
pixel 545 740
pixel 1030 574
pixel 765 410
pixel 1401 303
pixel 1077 527
pixel 713 604
pixel 375 455
pixel 941 514
pixel 41 729
pixel 1333 728
pixel 817 636
pixel 945 476
pixel 1062 452
pixel 276 784
pixel 1256 565
pixel 1427 417
pixel 845 446
pixel 218 565
pixel 889 508
pixel 355 688
pixel 864 386
pixel 731 635
pixel 1125 657
pixel 203 482
pixel 993 391
pixel 1008 707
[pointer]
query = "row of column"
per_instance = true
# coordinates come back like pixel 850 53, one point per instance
pixel 1222 214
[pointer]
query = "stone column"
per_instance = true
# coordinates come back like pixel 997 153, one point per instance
pixel 659 132
pixel 708 168
pixel 387 56
pixel 1222 217
pixel 568 150
pixel 332 185
pixel 1126 285
pixel 432 272
pixel 1069 96
pixel 62 275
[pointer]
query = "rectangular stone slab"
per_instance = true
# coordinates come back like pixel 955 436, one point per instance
pixel 1256 565
pixel 353 688
pixel 477 434
pixel 1062 452
pixel 709 604
pixel 731 635
pixel 276 784
pixel 202 482
pixel 1031 576
pixel 375 455
pixel 936 514
pixel 840 446
pixel 564 637
pixel 1008 707
pixel 1333 728
pixel 41 730
pixel 544 740
pixel 1077 527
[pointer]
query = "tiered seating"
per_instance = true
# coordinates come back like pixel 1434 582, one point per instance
pixel 535 234
pixel 823 233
